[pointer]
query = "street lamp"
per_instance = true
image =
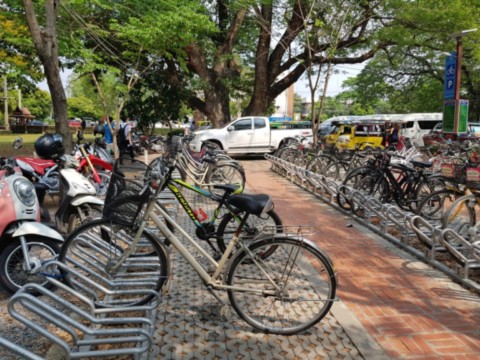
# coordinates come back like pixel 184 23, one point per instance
pixel 458 36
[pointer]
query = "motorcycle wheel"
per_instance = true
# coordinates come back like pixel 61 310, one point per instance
pixel 88 212
pixel 13 274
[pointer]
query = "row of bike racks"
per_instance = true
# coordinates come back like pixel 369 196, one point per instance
pixel 444 249
pixel 72 320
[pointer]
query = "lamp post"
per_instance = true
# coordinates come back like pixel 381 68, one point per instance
pixel 458 36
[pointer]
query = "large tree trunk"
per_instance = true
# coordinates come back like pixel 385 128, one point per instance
pixel 46 45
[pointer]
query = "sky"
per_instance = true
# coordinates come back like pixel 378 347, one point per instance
pixel 335 82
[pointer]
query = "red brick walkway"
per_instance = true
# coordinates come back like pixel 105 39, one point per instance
pixel 411 310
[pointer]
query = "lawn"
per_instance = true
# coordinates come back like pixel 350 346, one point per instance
pixel 6 144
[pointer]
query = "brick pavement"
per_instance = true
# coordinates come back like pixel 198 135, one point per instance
pixel 409 309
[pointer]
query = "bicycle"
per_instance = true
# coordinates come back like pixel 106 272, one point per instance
pixel 212 168
pixel 224 211
pixel 279 283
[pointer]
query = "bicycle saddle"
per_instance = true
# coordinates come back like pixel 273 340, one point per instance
pixel 421 164
pixel 252 204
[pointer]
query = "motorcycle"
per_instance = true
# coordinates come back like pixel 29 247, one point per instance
pixel 46 170
pixel 25 244
pixel 79 202
pixel 96 170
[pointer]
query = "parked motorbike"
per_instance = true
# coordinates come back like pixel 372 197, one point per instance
pixel 25 243
pixel 96 170
pixel 38 170
pixel 79 202
pixel 45 169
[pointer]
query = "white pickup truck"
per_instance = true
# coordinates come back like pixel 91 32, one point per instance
pixel 250 135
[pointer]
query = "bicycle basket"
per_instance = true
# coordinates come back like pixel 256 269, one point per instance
pixel 454 170
pixel 127 194
pixel 473 176
pixel 172 146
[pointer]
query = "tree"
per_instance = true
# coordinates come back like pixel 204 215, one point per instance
pixel 45 41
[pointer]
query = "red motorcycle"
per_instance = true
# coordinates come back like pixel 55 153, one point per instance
pixel 46 169
pixel 96 170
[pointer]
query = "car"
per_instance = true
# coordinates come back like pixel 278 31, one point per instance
pixel 436 135
pixel 37 123
pixel 74 123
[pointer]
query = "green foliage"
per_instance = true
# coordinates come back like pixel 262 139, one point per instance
pixel 83 107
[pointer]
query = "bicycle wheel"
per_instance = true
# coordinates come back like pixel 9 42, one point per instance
pixel 254 226
pixel 95 247
pixel 351 180
pixel 289 291
pixel 461 215
pixel 427 186
pixel 319 163
pixel 225 173
pixel 374 185
pixel 434 206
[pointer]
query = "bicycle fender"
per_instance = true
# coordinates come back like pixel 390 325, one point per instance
pixel 87 199
pixel 35 228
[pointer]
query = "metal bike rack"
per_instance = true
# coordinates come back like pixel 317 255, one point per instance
pixel 71 319
pixel 386 219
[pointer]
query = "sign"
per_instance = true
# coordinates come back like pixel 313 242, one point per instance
pixel 449 116
pixel 450 76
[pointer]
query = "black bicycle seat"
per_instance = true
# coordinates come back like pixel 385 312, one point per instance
pixel 421 164
pixel 252 204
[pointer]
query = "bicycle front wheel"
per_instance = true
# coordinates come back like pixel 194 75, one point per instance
pixel 94 250
pixel 225 173
pixel 285 293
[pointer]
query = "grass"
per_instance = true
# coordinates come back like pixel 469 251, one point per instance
pixel 6 144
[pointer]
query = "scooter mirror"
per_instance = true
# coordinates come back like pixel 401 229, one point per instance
pixel 17 143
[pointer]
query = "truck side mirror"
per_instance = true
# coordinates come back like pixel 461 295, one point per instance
pixel 230 128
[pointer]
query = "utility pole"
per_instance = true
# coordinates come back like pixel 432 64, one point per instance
pixel 5 102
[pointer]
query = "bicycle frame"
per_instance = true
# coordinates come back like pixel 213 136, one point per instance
pixel 172 185
pixel 211 281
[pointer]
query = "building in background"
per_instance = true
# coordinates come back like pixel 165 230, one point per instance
pixel 284 106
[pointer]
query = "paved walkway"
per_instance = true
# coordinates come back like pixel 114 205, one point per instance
pixel 403 306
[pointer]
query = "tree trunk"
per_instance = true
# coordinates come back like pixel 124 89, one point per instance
pixel 45 41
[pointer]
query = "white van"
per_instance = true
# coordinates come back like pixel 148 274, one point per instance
pixel 414 125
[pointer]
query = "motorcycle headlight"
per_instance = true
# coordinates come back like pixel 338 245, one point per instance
pixel 25 191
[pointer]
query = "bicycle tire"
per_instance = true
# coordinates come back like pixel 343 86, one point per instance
pixel 351 179
pixel 374 185
pixel 93 248
pixel 434 206
pixel 461 215
pixel 299 268
pixel 427 186
pixel 225 173
pixel 253 227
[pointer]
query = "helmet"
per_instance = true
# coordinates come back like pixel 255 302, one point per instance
pixel 99 129
pixel 49 146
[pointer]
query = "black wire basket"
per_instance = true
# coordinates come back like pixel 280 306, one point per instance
pixel 127 193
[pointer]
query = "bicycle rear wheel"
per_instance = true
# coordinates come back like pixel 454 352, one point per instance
pixel 253 227
pixel 285 293
pixel 225 173
pixel 96 246
pixel 434 206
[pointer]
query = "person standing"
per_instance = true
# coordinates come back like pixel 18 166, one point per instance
pixel 124 138
pixel 108 133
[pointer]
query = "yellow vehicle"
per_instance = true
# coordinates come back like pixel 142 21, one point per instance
pixel 352 134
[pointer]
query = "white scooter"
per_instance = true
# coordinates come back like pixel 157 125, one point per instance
pixel 78 203
pixel 25 244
